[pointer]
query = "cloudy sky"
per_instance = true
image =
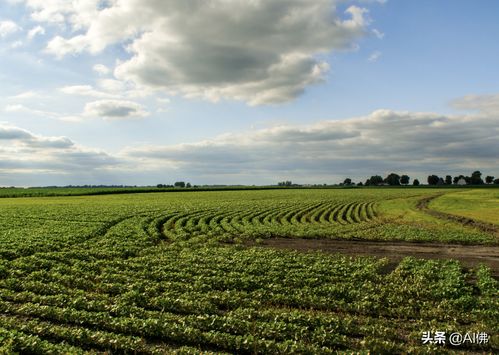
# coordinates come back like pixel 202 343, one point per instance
pixel 246 91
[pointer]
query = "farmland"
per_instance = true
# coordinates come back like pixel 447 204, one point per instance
pixel 189 272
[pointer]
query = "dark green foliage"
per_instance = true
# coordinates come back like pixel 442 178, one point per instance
pixel 392 179
pixel 433 180
pixel 374 180
pixel 476 178
pixel 148 274
pixel 404 179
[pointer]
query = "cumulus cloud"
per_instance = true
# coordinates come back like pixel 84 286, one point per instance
pixel 416 143
pixel 258 51
pixel 27 158
pixel 101 69
pixel 488 104
pixel 115 109
pixel 7 28
pixel 35 31
pixel 384 141
pixel 25 138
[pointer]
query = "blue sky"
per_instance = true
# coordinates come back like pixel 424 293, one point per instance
pixel 141 92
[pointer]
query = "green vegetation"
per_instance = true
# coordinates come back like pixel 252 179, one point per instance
pixel 169 272
pixel 481 205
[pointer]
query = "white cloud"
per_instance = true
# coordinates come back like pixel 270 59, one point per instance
pixel 85 90
pixel 7 28
pixel 24 109
pixel 16 44
pixel 255 51
pixel 374 56
pixel 488 104
pixel 115 109
pixel 374 1
pixel 78 12
pixel 378 33
pixel 30 94
pixel 27 139
pixel 18 108
pixel 101 69
pixel 35 31
pixel 384 141
pixel 111 85
pixel 422 143
pixel 30 159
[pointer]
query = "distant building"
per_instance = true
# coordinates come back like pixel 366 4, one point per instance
pixel 461 181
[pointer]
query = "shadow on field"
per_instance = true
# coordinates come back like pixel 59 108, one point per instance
pixel 469 255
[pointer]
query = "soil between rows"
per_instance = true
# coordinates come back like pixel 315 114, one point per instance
pixel 470 256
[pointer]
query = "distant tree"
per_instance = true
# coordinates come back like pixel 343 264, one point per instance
pixel 496 182
pixel 467 179
pixel 415 182
pixel 188 184
pixel 375 180
pixel 433 179
pixel 448 180
pixel 368 182
pixel 347 181
pixel 457 178
pixel 360 184
pixel 285 183
pixel 476 178
pixel 159 186
pixel 393 179
pixel 179 184
pixel 404 179
pixel 489 179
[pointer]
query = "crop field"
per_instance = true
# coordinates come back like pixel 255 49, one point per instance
pixel 249 271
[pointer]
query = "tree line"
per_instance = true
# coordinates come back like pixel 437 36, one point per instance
pixel 179 184
pixel 393 179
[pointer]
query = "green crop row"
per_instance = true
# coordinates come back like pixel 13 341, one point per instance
pixel 148 274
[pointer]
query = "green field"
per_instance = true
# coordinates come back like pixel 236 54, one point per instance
pixel 481 205
pixel 189 272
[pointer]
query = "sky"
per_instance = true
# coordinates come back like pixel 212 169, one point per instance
pixel 141 92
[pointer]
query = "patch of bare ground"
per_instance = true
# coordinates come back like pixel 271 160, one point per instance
pixel 470 256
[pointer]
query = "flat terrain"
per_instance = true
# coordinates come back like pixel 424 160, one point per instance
pixel 470 256
pixel 263 271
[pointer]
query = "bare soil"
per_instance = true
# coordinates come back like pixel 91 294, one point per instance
pixel 470 256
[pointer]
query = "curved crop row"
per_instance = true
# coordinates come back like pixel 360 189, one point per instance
pixel 284 219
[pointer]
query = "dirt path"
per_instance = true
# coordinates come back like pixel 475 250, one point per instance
pixel 468 255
